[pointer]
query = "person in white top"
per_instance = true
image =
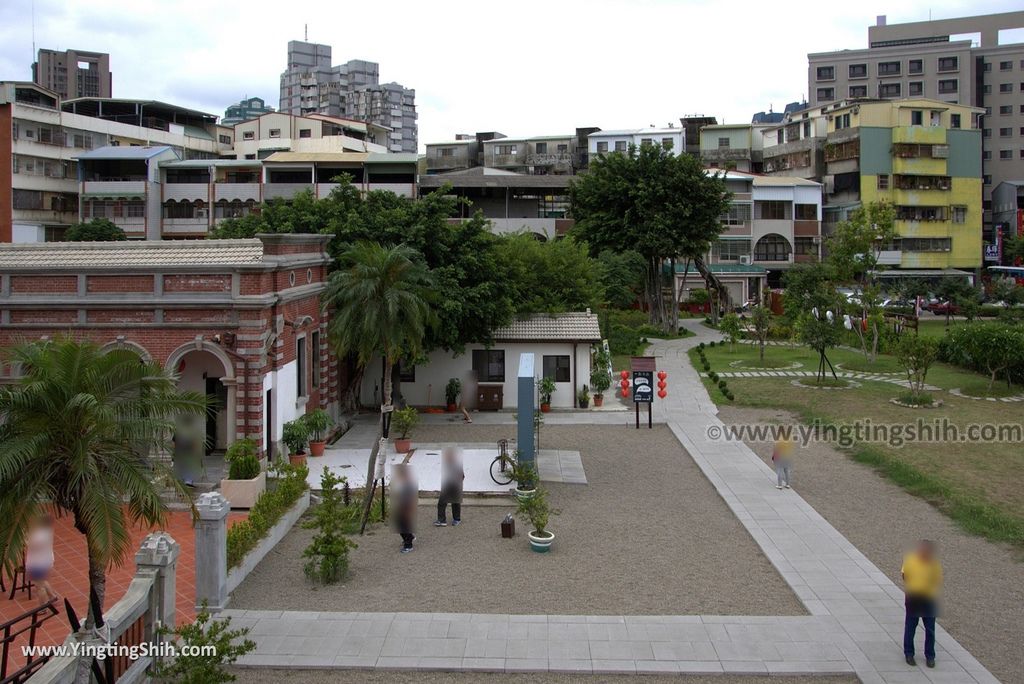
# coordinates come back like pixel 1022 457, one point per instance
pixel 39 555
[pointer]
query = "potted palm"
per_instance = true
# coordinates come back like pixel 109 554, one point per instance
pixel 525 475
pixel 451 394
pixel 600 378
pixel 246 480
pixel 545 387
pixel 403 421
pixel 318 422
pixel 583 397
pixel 294 434
pixel 536 511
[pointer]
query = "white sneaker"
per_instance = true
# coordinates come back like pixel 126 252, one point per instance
pixel 787 486
pixel 778 486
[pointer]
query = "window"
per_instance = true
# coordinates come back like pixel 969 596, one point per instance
pixel 305 133
pixel 1005 132
pixel 489 364
pixel 959 214
pixel 250 156
pixel 888 68
pixel 859 91
pixel 542 148
pixel 731 250
pixel 806 212
pixel 224 139
pixel 926 244
pixel 737 215
pixel 1005 110
pixel 772 247
pixel 275 132
pixel 504 149
pixel 557 368
pixel 954 121
pixel 620 145
pixel 915 88
pixel 986 155
pixel 406 371
pixel 772 209
pixel 948 86
pixel 915 66
pixel 248 135
pixel 805 246
pixel 888 89
pixel 826 73
pixel 300 366
pixel 883 181
pixel 949 63
pixel 807 129
pixel 826 94
pixel 315 342
pixel 602 147
pixel 1006 87
pixel 646 141
pixel 779 137
pixel 1006 154
pixel 986 133
pixel 723 143
pixel 986 67
pixel 1006 66
pixel 842 121
pixel 446 152
pixel 668 143
pixel 563 148
pixel 858 71
pixel 916 118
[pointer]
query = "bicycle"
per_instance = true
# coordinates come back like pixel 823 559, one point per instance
pixel 503 465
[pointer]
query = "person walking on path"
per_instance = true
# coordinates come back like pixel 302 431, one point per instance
pixel 782 459
pixel 39 555
pixel 452 477
pixel 922 579
pixel 405 493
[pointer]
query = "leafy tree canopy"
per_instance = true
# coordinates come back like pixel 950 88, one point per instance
pixel 96 230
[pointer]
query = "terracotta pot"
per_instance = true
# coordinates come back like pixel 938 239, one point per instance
pixel 598 400
pixel 452 408
pixel 402 446
pixel 297 459
pixel 317 448
pixel 544 408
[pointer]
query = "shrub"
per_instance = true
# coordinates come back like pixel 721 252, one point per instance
pixel 600 379
pixel 711 343
pixel 242 461
pixel 728 395
pixel 713 376
pixel 992 348
pixel 243 536
pixel 317 421
pixel 404 420
pixel 295 434
pixel 327 553
pixel 452 391
pixel 731 326
pixel 722 384
pixel 916 354
pixel 213 644
pixel 536 510
pixel 624 341
pixel 96 230
pixel 701 346
pixel 916 398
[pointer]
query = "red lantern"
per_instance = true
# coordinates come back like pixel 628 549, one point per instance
pixel 662 384
pixel 662 393
pixel 624 375
pixel 662 375
pixel 624 383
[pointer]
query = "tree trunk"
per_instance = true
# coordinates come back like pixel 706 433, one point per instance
pixel 97 584
pixel 761 349
pixel 349 393
pixel 675 296
pixel 649 292
pixel 712 282
pixel 371 466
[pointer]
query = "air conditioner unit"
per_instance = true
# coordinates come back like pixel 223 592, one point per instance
pixel 201 213
pixel 745 260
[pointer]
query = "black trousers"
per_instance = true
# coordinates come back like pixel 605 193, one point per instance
pixel 449 497
pixel 405 529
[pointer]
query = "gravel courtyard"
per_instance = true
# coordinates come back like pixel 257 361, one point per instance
pixel 983 599
pixel 647 535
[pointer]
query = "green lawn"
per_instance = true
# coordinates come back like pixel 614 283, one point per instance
pixel 976 484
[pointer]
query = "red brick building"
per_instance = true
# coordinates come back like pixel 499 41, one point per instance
pixel 236 319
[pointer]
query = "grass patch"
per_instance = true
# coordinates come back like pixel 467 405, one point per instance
pixel 923 399
pixel 882 364
pixel 767 363
pixel 824 382
pixel 978 387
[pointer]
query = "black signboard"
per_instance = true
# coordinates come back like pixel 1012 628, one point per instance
pixel 643 386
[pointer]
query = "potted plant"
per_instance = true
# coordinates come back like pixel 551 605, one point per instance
pixel 403 421
pixel 545 387
pixel 246 480
pixel 451 394
pixel 294 434
pixel 525 475
pixel 318 423
pixel 583 397
pixel 600 378
pixel 536 511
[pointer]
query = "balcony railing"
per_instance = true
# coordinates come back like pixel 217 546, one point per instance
pixel 175 226
pixel 806 228
pixel 284 190
pixel 115 188
pixel 447 162
pixel 187 191
pixel 236 191
pixel 517 159
pixel 400 189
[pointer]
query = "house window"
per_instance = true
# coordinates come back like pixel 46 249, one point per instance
pixel 300 367
pixel 563 148
pixel 1005 132
pixel 807 129
pixel 602 147
pixel 888 89
pixel 446 152
pixel 1005 110
pixel 315 343
pixel 888 68
pixel 954 121
pixel 915 66
pixel 883 181
pixel 859 91
pixel 224 139
pixel 805 246
pixel 275 132
pixel 489 364
pixel 736 215
pixel 1006 66
pixel 723 143
pixel 557 368
pixel 406 371
pixel 806 212
pixel 826 73
pixel 646 141
pixel 732 250
pixel 826 94
pixel 667 143
pixel 1006 87
pixel 772 247
pixel 915 88
pixel 305 133
pixel 926 244
pixel 959 214
pixel 1006 154
pixel 772 210
pixel 779 136
pixel 917 118
pixel 858 71
pixel 248 135
pixel 504 149
pixel 542 148
pixel 948 86
pixel 949 63
pixel 620 145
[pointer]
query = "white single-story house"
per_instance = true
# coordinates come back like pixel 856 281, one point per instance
pixel 561 344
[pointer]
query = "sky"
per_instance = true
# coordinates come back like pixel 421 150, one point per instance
pixel 522 68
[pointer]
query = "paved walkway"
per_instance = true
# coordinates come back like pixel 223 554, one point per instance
pixel 855 622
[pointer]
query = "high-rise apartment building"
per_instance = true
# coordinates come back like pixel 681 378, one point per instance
pixel 73 73
pixel 311 85
pixel 245 110
pixel 968 61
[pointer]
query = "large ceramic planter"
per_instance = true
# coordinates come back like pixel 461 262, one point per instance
pixel 402 446
pixel 297 459
pixel 524 494
pixel 316 449
pixel 243 493
pixel 544 408
pixel 541 544
pixel 598 400
pixel 452 408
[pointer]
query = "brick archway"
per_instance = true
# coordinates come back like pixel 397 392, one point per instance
pixel 227 379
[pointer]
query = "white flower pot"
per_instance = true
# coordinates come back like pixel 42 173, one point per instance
pixel 243 493
pixel 541 544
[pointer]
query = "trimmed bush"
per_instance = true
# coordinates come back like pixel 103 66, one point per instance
pixel 722 384
pixel 242 461
pixel 269 507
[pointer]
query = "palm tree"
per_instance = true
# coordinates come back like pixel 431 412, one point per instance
pixel 378 305
pixel 75 434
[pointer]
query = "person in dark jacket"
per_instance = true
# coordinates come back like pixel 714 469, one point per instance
pixel 404 494
pixel 452 477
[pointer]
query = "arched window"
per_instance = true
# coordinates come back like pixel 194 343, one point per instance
pixel 772 247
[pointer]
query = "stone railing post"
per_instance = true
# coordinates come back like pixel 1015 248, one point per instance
pixel 158 555
pixel 212 551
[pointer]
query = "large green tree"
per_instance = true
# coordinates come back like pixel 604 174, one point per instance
pixel 76 431
pixel 622 277
pixel 658 204
pixel 548 277
pixel 96 230
pixel 378 301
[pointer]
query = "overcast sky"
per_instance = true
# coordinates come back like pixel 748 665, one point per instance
pixel 522 67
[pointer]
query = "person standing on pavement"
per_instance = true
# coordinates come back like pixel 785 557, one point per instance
pixel 404 493
pixel 452 477
pixel 922 580
pixel 782 460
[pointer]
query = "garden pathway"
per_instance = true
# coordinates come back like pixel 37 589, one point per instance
pixel 855 622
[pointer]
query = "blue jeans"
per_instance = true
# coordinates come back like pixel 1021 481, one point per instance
pixel 924 610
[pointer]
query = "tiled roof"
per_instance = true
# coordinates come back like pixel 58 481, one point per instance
pixel 72 255
pixel 576 326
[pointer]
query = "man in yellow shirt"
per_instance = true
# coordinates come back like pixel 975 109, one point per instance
pixel 782 458
pixel 922 579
